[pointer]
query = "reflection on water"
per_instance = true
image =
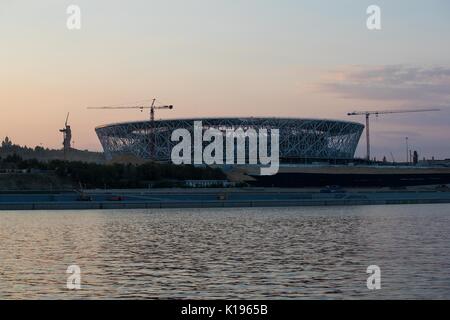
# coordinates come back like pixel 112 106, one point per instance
pixel 228 253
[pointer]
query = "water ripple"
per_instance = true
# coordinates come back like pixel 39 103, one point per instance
pixel 293 253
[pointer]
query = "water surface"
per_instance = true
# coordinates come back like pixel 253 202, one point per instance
pixel 248 253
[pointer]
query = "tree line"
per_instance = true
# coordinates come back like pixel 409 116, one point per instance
pixel 95 175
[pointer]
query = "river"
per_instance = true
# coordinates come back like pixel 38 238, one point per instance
pixel 242 253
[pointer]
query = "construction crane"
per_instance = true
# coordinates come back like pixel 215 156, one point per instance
pixel 376 113
pixel 67 137
pixel 152 108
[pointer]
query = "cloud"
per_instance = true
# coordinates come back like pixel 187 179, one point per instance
pixel 424 86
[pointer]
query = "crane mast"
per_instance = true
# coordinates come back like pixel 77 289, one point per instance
pixel 367 114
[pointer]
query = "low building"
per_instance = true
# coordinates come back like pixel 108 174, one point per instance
pixel 207 183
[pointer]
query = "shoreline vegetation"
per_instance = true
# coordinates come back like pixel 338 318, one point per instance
pixel 23 168
pixel 8 148
pixel 19 174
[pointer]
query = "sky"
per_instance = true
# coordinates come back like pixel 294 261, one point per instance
pixel 284 58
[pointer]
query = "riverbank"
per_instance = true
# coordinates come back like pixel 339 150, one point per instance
pixel 212 198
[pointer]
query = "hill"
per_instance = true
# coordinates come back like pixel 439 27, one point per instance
pixel 8 148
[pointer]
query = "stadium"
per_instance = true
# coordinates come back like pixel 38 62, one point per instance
pixel 300 140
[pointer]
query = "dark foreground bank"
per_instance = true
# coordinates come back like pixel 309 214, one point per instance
pixel 211 198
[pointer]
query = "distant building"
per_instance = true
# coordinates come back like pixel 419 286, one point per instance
pixel 207 183
pixel 12 171
pixel 7 143
pixel 299 139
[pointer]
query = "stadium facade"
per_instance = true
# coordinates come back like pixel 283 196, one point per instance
pixel 300 139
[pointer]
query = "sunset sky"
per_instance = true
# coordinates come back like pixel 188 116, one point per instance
pixel 222 58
